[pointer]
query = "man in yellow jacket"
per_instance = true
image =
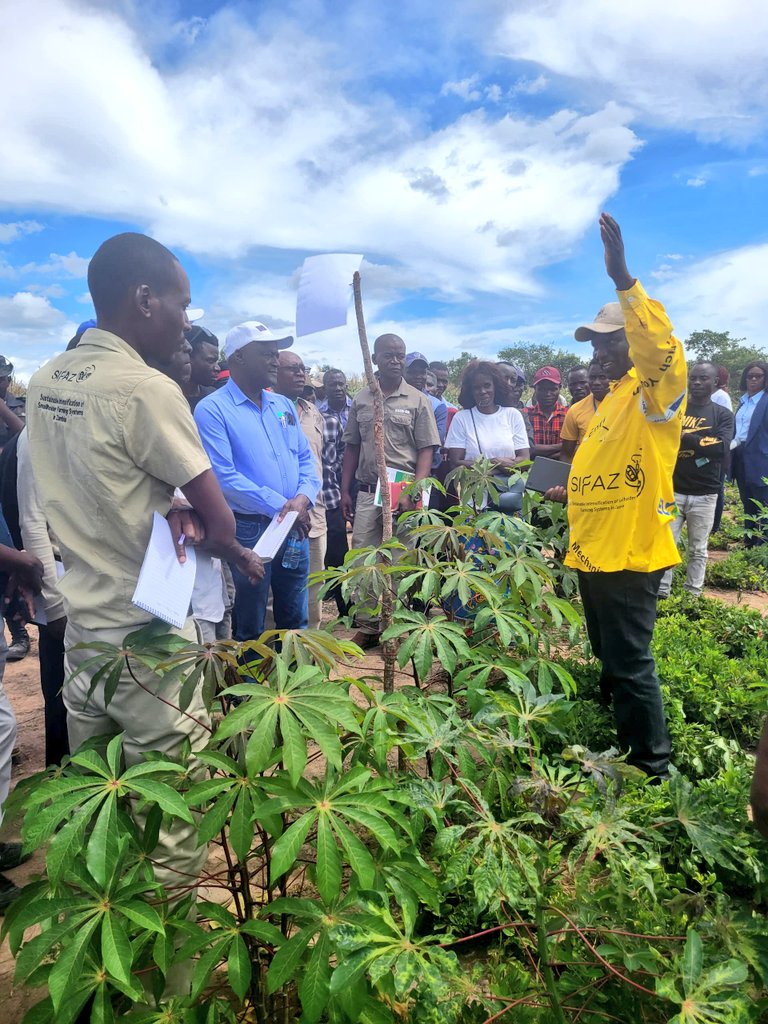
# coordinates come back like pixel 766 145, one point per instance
pixel 621 501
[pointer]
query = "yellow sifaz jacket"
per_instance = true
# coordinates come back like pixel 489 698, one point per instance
pixel 620 496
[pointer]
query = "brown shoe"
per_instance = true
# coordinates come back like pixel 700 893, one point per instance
pixel 366 640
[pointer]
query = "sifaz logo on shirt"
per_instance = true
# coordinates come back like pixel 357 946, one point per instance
pixel 633 477
pixel 71 377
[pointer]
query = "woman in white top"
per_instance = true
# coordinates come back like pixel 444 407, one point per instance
pixel 484 428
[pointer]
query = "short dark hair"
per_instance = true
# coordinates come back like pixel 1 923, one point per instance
pixel 706 362
pixel 471 372
pixel 437 365
pixel 575 369
pixel 755 362
pixel 331 371
pixel 123 262
pixel 386 337
pixel 199 336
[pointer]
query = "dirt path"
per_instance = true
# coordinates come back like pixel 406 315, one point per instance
pixel 22 684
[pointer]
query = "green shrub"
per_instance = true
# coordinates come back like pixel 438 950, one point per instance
pixel 737 571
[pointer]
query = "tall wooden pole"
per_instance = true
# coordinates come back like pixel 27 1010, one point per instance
pixel 387 603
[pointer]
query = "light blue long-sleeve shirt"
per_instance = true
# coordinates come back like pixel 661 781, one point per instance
pixel 744 414
pixel 261 457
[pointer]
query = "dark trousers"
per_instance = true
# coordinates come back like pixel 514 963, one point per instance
pixel 755 524
pixel 289 586
pixel 338 546
pixel 719 507
pixel 620 609
pixel 51 654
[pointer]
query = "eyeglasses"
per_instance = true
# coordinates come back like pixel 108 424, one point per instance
pixel 755 376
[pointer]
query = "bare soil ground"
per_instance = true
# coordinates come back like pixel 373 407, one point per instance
pixel 22 683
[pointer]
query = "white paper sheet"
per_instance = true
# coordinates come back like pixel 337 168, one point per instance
pixel 325 287
pixel 165 585
pixel 270 541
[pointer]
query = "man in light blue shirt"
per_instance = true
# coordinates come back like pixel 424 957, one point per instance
pixel 265 468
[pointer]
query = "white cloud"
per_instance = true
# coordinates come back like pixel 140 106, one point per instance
pixel 70 265
pixel 230 154
pixel 466 89
pixel 30 330
pixel 25 309
pixel 50 291
pixel 529 86
pixel 696 66
pixel 696 182
pixel 9 232
pixel 725 292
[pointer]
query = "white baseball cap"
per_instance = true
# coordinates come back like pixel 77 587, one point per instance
pixel 252 330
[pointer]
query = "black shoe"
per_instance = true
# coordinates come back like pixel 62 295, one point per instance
pixel 20 647
pixel 366 640
pixel 8 893
pixel 11 856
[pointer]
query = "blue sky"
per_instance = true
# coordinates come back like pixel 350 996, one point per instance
pixel 465 148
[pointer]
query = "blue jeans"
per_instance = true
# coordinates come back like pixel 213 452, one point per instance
pixel 289 586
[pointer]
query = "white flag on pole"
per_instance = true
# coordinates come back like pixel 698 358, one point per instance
pixel 325 288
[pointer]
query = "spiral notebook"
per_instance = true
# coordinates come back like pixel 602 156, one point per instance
pixel 164 588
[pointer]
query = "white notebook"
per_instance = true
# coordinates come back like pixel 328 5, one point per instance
pixel 274 536
pixel 165 585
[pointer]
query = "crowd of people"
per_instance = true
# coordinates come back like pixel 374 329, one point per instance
pixel 138 416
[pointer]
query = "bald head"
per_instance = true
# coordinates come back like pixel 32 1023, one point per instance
pixel 291 375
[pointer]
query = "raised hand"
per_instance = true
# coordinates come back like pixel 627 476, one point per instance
pixel 615 262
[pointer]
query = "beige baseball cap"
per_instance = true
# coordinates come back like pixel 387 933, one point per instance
pixel 609 319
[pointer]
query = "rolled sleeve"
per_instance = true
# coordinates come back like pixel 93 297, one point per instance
pixel 160 435
pixel 351 433
pixel 425 428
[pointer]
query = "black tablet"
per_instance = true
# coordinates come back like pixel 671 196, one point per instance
pixel 546 473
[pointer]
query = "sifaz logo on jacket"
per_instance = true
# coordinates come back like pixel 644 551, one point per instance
pixel 71 377
pixel 634 476
pixel 587 483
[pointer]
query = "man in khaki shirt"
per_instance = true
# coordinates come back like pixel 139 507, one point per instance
pixel 109 440
pixel 410 438
pixel 291 378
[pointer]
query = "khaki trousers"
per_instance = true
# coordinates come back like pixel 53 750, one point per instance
pixel 148 724
pixel 317 549
pixel 366 532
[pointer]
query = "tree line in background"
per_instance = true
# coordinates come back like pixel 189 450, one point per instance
pixel 714 346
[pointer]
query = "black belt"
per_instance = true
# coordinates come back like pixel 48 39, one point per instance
pixel 367 488
pixel 252 518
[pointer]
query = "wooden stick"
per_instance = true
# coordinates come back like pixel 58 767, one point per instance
pixel 387 603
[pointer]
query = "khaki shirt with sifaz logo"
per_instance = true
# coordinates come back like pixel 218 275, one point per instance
pixel 620 495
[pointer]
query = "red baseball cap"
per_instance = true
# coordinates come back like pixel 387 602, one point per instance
pixel 550 373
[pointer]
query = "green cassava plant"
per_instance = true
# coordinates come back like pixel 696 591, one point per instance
pixel 466 848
